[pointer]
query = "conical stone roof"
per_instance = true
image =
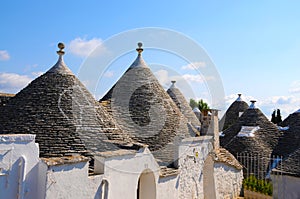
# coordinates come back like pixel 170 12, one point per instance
pixel 291 136
pixel 292 120
pixel 290 165
pixel 63 114
pixel 183 105
pixel 265 138
pixel 143 108
pixel 233 113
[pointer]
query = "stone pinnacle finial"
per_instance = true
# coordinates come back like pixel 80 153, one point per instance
pixel 140 49
pixel 239 97
pixel 252 105
pixel 61 46
pixel 173 82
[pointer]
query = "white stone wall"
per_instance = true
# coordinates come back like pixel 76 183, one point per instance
pixel 23 174
pixel 168 187
pixel 71 181
pixel 192 154
pixel 228 181
pixel 123 172
pixel 285 186
pixel 19 157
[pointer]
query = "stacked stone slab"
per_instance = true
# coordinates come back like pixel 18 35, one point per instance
pixel 183 105
pixel 290 165
pixel 264 141
pixel 141 106
pixel 290 137
pixel 63 114
pixel 233 113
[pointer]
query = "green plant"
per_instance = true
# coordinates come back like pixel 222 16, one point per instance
pixel 262 186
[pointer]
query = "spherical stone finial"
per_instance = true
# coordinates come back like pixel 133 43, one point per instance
pixel 140 44
pixel 140 49
pixel 61 46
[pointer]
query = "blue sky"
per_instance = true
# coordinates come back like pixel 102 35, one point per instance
pixel 255 45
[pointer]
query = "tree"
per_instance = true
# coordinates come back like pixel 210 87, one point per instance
pixel 193 103
pixel 201 104
pixel 273 119
pixel 278 117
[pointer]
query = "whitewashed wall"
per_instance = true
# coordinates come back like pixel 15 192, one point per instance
pixel 29 177
pixel 192 154
pixel 285 186
pixel 71 181
pixel 19 157
pixel 123 172
pixel 168 187
pixel 228 181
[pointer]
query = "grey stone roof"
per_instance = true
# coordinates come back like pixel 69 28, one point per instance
pixel 292 120
pixel 232 113
pixel 55 161
pixel 265 139
pixel 141 106
pixel 167 172
pixel 223 156
pixel 290 140
pixel 63 114
pixel 290 165
pixel 4 97
pixel 183 105
pixel 289 146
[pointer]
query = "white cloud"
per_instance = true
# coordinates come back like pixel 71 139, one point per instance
pixel 37 74
pixel 194 66
pixel 196 78
pixel 108 74
pixel 286 104
pixel 163 77
pixel 4 55
pixel 83 47
pixel 295 87
pixel 13 83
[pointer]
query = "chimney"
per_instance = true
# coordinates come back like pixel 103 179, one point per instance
pixel 239 97
pixel 214 128
pixel 173 84
pixel 252 105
